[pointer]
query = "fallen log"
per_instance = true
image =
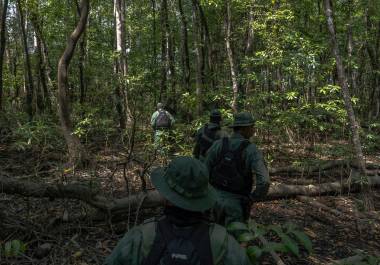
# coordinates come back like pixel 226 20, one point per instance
pixel 372 169
pixel 152 198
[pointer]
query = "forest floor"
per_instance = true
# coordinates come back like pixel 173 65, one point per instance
pixel 64 231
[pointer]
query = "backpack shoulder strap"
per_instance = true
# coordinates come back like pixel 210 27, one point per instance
pixel 242 146
pixel 202 243
pixel 224 149
pixel 162 237
pixel 238 154
pixel 219 241
pixel 225 146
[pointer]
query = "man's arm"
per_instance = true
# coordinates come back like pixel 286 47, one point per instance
pixel 256 160
pixel 153 119
pixel 172 120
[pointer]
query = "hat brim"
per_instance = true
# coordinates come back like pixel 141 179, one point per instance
pixel 241 125
pixel 191 204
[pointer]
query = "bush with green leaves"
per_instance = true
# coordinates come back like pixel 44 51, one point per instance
pixel 287 239
pixel 13 248
pixel 42 133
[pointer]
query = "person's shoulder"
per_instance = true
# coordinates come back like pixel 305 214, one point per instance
pixel 148 224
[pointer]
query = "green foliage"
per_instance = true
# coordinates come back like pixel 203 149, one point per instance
pixel 288 239
pixel 41 134
pixel 12 248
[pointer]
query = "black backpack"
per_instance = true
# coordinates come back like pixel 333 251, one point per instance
pixel 206 139
pixel 229 174
pixel 176 246
pixel 162 120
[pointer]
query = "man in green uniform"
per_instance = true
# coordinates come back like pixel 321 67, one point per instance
pixel 207 135
pixel 161 122
pixel 183 235
pixel 232 162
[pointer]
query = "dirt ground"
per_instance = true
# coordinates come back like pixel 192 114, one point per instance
pixel 67 231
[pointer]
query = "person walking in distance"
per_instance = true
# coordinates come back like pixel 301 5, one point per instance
pixel 207 135
pixel 161 121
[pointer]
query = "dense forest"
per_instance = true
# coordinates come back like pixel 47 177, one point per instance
pixel 80 79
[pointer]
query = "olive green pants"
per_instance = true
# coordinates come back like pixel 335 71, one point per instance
pixel 228 208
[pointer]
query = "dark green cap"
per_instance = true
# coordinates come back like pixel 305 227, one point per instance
pixel 185 183
pixel 243 119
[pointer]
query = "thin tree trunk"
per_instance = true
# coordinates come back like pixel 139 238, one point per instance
pixel 231 59
pixel 120 106
pixel 121 63
pixel 249 50
pixel 77 152
pixel 199 58
pixel 185 48
pixel 154 50
pixel 345 91
pixel 82 54
pixel 29 81
pixel 2 47
pixel 42 74
pixel 207 48
pixel 172 97
pixel 37 25
pixel 373 53
pixel 164 48
pixel 40 104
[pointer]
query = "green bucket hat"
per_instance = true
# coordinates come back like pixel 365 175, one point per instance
pixel 243 119
pixel 184 182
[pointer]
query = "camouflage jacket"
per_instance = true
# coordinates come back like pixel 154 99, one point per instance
pixel 135 246
pixel 253 162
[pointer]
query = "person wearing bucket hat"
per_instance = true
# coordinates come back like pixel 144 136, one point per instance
pixel 232 162
pixel 161 122
pixel 207 135
pixel 183 235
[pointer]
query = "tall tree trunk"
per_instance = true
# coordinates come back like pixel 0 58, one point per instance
pixel 185 48
pixel 154 50
pixel 2 47
pixel 343 83
pixel 29 81
pixel 37 25
pixel 82 54
pixel 121 64
pixel 248 51
pixel 172 98
pixel 373 54
pixel 207 48
pixel 42 95
pixel 42 75
pixel 199 58
pixel 164 48
pixel 232 59
pixel 77 152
